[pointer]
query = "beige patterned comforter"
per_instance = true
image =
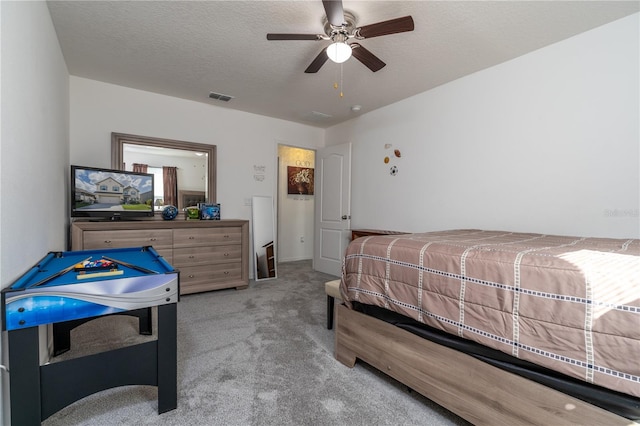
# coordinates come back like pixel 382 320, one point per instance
pixel 570 304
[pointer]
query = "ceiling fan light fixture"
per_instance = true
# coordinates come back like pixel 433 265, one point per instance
pixel 339 52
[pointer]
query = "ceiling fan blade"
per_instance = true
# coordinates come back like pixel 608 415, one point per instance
pixel 370 60
pixel 293 37
pixel 392 26
pixel 334 11
pixel 318 62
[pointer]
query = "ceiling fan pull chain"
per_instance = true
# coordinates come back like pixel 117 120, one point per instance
pixel 341 84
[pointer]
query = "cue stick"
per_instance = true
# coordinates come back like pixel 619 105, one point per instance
pixel 130 265
pixel 57 274
pixel 101 274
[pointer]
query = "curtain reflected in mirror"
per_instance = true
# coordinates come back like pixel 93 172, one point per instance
pixel 264 245
pixel 170 185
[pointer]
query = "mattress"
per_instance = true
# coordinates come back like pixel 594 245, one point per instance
pixel 568 304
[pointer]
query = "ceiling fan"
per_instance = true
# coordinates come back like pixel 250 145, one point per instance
pixel 340 28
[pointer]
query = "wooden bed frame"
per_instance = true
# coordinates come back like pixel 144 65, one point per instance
pixel 474 390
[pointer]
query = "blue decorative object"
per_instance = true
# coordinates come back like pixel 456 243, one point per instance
pixel 169 213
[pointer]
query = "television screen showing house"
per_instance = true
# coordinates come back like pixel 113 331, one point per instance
pixel 102 190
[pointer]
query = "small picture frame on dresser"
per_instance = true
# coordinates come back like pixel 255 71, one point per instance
pixel 209 211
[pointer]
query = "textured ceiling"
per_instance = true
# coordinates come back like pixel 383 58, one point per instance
pixel 188 49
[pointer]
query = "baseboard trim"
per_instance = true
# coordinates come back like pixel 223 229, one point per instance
pixel 293 259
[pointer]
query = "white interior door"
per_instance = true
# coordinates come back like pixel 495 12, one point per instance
pixel 332 208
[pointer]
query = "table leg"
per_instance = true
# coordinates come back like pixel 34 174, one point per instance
pixel 144 321
pixel 167 358
pixel 25 376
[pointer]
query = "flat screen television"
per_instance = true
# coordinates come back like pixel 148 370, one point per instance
pixel 110 194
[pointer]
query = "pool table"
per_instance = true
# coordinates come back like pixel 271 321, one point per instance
pixel 70 286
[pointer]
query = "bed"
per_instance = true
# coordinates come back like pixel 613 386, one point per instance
pixel 499 327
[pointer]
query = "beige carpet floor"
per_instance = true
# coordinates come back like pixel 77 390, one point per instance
pixel 259 356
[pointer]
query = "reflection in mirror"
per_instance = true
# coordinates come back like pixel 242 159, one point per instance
pixel 264 244
pixel 191 172
pixel 194 165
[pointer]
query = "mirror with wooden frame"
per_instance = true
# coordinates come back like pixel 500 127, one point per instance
pixel 196 164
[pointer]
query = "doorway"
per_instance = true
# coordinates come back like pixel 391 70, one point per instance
pixel 296 203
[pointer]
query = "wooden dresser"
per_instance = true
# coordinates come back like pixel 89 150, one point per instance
pixel 210 254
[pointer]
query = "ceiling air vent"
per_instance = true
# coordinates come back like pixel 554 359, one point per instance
pixel 220 97
pixel 316 116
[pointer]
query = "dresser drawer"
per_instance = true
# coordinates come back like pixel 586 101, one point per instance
pixel 158 238
pixel 203 278
pixel 207 236
pixel 192 256
pixel 210 254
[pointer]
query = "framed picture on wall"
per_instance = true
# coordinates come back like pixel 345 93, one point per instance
pixel 299 180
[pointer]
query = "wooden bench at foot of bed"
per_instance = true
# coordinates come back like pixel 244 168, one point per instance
pixel 474 390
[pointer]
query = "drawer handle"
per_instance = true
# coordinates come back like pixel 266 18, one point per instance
pixel 191 276
pixel 191 257
pixel 226 236
pixel 107 241
pixel 226 272
pixel 192 238
pixel 152 239
pixel 226 254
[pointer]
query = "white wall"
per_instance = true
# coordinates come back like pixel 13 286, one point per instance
pixel 243 140
pixel 246 143
pixel 547 142
pixel 34 152
pixel 35 132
